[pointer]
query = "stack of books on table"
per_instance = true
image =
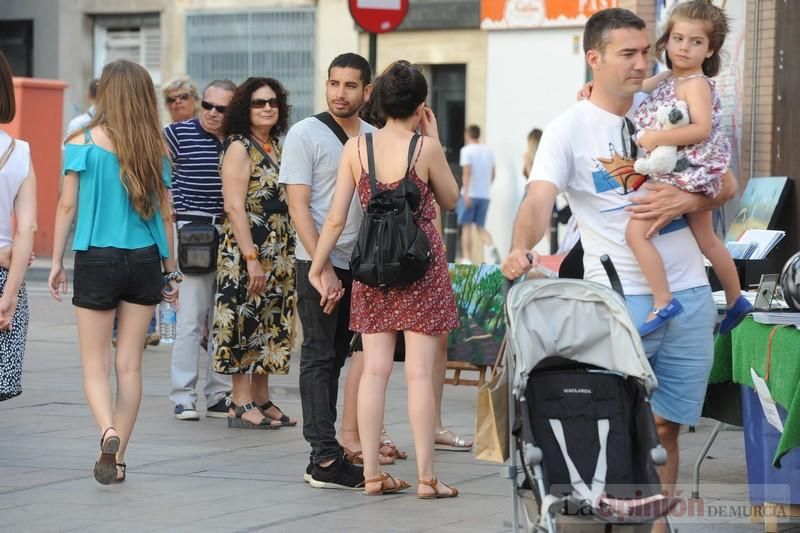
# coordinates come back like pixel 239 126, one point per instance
pixel 755 244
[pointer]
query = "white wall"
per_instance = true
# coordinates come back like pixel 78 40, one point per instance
pixel 532 76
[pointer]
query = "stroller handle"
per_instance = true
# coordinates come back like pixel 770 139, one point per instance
pixel 507 283
pixel 611 272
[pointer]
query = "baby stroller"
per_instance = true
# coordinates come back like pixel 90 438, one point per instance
pixel 580 413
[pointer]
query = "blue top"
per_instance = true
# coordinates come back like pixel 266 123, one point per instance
pixel 106 217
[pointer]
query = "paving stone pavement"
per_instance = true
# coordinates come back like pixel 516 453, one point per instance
pixel 202 476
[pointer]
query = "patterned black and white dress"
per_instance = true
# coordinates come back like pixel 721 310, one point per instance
pixel 12 344
pixel 253 333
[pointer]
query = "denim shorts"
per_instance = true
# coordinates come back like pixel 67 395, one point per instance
pixel 681 353
pixel 476 214
pixel 104 276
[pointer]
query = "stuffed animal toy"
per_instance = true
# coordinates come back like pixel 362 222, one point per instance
pixel 662 159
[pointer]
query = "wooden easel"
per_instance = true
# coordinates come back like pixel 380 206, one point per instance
pixel 458 366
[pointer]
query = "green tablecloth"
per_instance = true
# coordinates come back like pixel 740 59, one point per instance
pixel 746 347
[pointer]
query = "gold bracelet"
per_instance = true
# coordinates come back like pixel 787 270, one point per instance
pixel 252 255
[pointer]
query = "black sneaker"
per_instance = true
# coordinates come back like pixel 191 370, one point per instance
pixel 338 475
pixel 218 410
pixel 307 475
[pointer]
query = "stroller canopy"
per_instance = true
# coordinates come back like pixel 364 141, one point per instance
pixel 578 320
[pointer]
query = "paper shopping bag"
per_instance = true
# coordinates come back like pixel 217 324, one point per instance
pixel 491 423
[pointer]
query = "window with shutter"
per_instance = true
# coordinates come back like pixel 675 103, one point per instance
pixel 133 37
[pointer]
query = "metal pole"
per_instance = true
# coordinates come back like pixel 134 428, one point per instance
pixel 754 90
pixel 512 444
pixel 373 53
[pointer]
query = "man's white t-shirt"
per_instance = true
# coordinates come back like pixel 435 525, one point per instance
pixel 310 156
pixel 570 155
pixel 480 159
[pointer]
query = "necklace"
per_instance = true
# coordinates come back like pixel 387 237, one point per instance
pixel 266 145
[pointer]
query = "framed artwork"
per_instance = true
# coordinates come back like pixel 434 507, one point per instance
pixel 759 206
pixel 478 291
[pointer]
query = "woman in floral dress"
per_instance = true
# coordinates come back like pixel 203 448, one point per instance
pixel 255 298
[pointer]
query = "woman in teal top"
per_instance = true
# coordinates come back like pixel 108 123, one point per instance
pixel 116 176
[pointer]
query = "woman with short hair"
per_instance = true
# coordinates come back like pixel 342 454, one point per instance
pixel 424 310
pixel 17 200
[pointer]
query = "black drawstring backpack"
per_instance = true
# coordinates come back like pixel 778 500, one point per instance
pixel 391 249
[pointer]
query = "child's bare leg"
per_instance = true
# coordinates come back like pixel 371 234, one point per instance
pixel 703 230
pixel 650 262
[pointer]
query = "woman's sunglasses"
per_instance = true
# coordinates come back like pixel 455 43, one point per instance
pixel 182 97
pixel 208 106
pixel 259 103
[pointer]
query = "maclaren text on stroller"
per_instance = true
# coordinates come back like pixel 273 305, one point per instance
pixel 583 425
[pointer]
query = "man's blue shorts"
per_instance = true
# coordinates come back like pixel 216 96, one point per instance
pixel 476 214
pixel 681 353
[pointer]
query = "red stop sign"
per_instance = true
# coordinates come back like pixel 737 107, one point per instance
pixel 378 16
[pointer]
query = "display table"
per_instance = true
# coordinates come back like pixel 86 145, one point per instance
pixel 774 353
pixel 776 359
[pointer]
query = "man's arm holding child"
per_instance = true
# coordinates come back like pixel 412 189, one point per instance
pixel 664 203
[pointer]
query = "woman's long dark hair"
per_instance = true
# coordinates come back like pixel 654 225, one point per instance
pixel 237 116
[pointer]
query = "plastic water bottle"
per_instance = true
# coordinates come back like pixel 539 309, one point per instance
pixel 167 321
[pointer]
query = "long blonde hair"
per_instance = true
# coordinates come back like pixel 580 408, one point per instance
pixel 127 110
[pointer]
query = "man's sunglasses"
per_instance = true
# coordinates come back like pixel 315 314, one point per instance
pixel 259 103
pixel 208 106
pixel 182 97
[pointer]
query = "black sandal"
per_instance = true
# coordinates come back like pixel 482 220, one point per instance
pixel 283 419
pixel 124 468
pixel 238 422
pixel 105 469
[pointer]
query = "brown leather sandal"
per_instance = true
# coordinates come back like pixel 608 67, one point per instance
pixel 389 448
pixel 398 485
pixel 356 458
pixel 433 483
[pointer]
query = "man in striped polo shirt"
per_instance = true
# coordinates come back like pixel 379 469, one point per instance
pixel 194 147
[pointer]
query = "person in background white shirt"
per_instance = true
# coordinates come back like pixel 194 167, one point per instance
pixel 477 175
pixel 83 119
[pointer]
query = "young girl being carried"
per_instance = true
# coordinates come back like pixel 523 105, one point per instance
pixel 692 41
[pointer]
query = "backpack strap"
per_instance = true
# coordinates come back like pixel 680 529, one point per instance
pixel 7 155
pixel 373 185
pixel 334 126
pixel 412 147
pixel 87 137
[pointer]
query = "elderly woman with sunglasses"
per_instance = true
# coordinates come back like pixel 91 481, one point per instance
pixel 254 308
pixel 181 99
